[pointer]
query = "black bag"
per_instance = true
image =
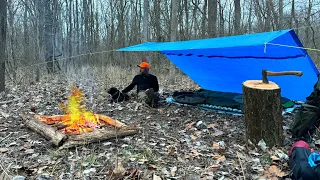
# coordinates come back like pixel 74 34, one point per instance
pixel 298 162
pixel 305 120
pixel 117 96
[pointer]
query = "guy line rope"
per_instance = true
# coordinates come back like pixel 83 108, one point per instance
pixel 75 56
pixel 283 45
pixel 100 52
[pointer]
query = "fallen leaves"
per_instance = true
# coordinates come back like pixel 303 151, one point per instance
pixel 3 150
pixel 220 158
pixel 204 139
pixel 218 146
pixel 155 177
pixel 217 132
pixel 119 170
pixel 195 153
pixel 272 172
pixel 211 125
pixel 190 126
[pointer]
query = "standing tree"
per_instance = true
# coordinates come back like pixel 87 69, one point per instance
pixel 174 20
pixel 237 16
pixel 145 20
pixel 3 29
pixel 280 21
pixel 212 18
pixel 157 19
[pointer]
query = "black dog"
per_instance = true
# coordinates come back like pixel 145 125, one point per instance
pixel 117 96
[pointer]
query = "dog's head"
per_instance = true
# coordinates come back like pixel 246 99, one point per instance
pixel 113 90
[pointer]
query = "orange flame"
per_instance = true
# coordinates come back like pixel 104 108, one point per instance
pixel 77 119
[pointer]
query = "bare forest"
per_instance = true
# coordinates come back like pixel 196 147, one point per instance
pixel 84 33
pixel 45 45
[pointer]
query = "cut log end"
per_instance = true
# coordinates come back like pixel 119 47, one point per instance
pixel 263 112
pixel 258 84
pixel 57 138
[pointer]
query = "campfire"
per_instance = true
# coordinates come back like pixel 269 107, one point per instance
pixel 77 125
pixel 77 119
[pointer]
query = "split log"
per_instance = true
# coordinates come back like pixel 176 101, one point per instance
pixel 48 132
pixel 98 135
pixel 263 112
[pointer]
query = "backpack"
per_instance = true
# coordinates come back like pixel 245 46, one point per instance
pixel 298 162
pixel 305 120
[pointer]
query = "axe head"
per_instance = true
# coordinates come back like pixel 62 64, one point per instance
pixel 264 77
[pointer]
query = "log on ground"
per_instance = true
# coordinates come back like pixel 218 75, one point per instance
pixel 52 134
pixel 98 135
pixel 263 112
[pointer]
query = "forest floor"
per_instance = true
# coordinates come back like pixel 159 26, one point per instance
pixel 174 142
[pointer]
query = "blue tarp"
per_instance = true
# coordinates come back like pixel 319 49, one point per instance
pixel 223 64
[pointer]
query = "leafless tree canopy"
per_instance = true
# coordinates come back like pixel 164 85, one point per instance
pixel 40 32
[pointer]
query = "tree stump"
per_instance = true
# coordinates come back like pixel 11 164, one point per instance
pixel 263 112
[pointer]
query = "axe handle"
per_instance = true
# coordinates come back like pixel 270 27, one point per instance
pixel 297 73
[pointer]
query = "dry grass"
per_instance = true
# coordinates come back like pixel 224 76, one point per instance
pixel 112 74
pixel 116 76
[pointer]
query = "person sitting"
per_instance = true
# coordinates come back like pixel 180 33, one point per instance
pixel 147 86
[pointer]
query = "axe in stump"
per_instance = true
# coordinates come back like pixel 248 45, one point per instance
pixel 266 73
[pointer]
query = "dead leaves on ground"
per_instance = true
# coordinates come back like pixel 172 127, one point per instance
pixel 273 172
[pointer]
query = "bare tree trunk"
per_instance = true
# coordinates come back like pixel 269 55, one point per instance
pixel 121 27
pixel 307 30
pixel 187 32
pixel 280 14
pixel 112 31
pixel 26 33
pixel 273 15
pixel 258 14
pixel 221 20
pixel 145 19
pixel 194 18
pixel 292 14
pixel 70 28
pixel 267 25
pixel 230 22
pixel 237 16
pixel 77 28
pixel 48 36
pixel 157 22
pixel 11 62
pixel 174 19
pixel 212 18
pixel 181 34
pixel 204 20
pixel 3 30
pixel 250 17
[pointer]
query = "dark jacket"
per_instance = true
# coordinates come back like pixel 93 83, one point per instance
pixel 143 83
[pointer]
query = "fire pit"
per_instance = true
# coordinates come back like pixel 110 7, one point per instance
pixel 77 126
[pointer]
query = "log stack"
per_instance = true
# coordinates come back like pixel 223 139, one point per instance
pixel 58 139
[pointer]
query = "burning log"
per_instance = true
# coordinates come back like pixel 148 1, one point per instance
pixel 52 133
pixel 98 135
pixel 56 137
